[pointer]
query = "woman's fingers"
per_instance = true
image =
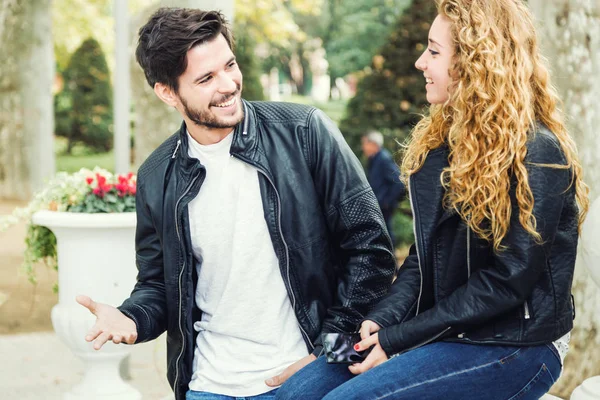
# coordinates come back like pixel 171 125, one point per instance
pixel 366 343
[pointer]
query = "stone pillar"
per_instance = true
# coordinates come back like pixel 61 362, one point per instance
pixel 121 88
pixel 26 110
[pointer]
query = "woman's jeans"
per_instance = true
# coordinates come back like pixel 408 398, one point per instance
pixel 439 370
pixel 191 395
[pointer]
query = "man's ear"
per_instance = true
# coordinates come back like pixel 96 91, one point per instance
pixel 166 94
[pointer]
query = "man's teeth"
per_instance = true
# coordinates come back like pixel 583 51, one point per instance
pixel 227 104
pixel 427 80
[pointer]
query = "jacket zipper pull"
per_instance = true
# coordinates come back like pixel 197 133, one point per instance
pixel 526 309
pixel 176 148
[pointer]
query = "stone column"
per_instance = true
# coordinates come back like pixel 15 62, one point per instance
pixel 26 110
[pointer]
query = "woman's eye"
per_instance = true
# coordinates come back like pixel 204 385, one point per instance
pixel 433 52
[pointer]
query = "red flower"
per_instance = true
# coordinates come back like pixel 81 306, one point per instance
pixel 122 188
pixel 101 180
pixel 98 192
pixel 89 180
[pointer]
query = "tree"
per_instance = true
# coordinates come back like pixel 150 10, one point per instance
pixel 352 32
pixel 244 50
pixel 26 121
pixel 570 34
pixel 87 81
pixel 391 93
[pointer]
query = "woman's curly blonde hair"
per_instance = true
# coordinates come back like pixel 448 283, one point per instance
pixel 500 89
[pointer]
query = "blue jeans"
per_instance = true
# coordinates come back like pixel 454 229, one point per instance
pixel 191 395
pixel 441 370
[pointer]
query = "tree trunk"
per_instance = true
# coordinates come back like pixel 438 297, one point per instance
pixel 570 35
pixel 26 110
pixel 154 120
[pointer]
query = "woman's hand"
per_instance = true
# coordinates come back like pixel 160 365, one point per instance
pixel 376 356
pixel 367 328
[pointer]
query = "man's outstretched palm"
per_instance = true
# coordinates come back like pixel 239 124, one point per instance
pixel 111 324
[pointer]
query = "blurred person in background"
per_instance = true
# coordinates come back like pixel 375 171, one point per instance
pixel 384 177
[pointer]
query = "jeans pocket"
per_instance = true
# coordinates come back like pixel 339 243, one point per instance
pixel 537 386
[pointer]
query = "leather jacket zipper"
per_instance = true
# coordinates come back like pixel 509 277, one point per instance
pixel 285 246
pixel 468 251
pixel 526 314
pixel 410 197
pixel 187 190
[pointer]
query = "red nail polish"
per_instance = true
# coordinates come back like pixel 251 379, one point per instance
pixel 356 347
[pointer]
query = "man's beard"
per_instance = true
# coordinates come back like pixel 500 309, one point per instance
pixel 206 118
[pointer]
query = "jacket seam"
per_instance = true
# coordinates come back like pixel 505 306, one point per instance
pixel 158 163
pixel 335 207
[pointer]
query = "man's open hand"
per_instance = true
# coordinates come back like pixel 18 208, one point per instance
pixel 111 324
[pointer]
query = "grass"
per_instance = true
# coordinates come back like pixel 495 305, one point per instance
pixel 80 157
pixel 73 163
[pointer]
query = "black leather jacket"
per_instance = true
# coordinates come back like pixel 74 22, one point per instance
pixel 334 253
pixel 452 286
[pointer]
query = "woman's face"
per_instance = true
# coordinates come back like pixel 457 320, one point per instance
pixel 435 61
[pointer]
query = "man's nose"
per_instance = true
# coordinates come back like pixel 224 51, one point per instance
pixel 227 84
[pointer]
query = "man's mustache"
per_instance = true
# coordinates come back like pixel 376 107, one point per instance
pixel 225 99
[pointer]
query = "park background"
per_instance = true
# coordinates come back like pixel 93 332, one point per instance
pixel 352 58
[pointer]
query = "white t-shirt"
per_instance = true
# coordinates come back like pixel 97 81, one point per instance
pixel 248 331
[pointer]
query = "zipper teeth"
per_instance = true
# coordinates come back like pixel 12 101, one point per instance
pixel 287 255
pixel 468 250
pixel 180 276
pixel 410 198
pixel 245 130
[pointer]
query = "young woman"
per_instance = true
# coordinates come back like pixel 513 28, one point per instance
pixel 482 306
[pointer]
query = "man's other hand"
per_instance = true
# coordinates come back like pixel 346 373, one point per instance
pixel 278 380
pixel 111 324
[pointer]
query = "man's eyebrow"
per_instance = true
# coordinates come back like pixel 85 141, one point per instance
pixel 201 77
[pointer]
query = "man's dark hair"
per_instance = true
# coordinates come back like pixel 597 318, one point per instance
pixel 167 37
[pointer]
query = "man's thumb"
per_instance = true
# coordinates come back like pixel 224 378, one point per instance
pixel 87 302
pixel 274 381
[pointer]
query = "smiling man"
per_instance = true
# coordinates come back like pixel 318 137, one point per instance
pixel 256 227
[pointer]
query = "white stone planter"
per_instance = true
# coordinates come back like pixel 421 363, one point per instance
pixel 590 253
pixel 96 257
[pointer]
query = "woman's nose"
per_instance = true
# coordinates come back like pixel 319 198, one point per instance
pixel 420 64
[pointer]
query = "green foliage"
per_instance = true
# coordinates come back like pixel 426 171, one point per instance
pixel 40 245
pixel 391 93
pixel 84 108
pixel 402 224
pixel 354 31
pixel 110 202
pixel 246 58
